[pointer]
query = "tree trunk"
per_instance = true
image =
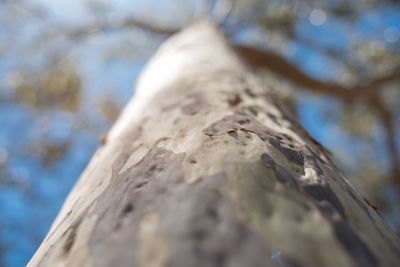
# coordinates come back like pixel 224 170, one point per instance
pixel 204 168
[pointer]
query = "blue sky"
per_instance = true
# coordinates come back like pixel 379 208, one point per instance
pixel 25 216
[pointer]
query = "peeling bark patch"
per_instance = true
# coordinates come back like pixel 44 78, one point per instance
pixel 288 150
pixel 314 186
pixel 283 175
pixel 318 192
pixel 331 208
pixel 140 184
pixel 196 222
pixel 123 205
pixel 286 145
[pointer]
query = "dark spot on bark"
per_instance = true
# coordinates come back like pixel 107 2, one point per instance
pixel 141 184
pixel 103 138
pixel 212 213
pixel 192 161
pixel 249 93
pixel 127 209
pixel 267 159
pixel 290 139
pixel 235 100
pixel 71 235
pixel 244 121
pixel 233 134
pixel 274 118
pixel 69 242
pixel 369 204
pixel 117 226
pixel 189 217
pixel 199 234
pixel 152 168
pixel 176 121
pixel 220 258
pixel 253 110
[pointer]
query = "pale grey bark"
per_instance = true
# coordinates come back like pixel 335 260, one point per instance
pixel 204 168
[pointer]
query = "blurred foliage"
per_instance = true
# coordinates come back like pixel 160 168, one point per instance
pixel 357 120
pixel 109 106
pixel 373 182
pixel 60 88
pixel 49 153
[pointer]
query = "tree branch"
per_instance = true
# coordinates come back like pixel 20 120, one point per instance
pixel 282 67
pixel 114 26
pixel 387 120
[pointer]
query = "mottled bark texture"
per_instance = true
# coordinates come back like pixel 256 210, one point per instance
pixel 204 168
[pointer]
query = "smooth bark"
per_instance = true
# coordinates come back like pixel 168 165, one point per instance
pixel 204 168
